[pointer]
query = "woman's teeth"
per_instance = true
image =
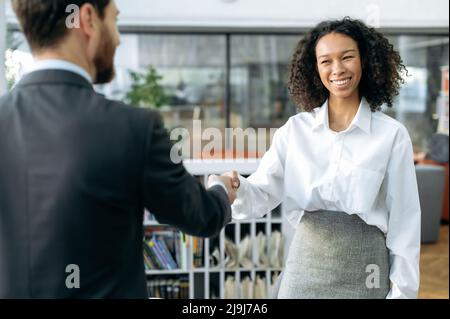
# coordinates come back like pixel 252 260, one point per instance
pixel 341 82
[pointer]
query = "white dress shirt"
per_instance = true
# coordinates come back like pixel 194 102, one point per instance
pixel 55 64
pixel 367 170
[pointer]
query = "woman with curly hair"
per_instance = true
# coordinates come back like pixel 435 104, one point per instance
pixel 343 170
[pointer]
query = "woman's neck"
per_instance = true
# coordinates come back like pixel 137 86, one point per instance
pixel 341 111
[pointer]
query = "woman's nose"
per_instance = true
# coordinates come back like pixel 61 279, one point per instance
pixel 337 68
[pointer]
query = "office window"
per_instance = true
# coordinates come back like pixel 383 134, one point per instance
pixel 416 106
pixel 258 77
pixel 259 66
pixel 193 71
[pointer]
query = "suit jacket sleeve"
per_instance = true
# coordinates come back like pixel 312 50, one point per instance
pixel 174 196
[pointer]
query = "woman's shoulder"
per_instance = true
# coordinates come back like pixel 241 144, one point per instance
pixel 391 126
pixel 296 124
pixel 303 117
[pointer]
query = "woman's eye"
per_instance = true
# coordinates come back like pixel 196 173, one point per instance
pixel 348 57
pixel 325 61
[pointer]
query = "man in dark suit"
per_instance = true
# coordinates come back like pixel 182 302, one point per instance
pixel 77 170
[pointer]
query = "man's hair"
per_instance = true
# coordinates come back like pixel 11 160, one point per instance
pixel 44 21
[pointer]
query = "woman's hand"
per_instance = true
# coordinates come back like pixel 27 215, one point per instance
pixel 235 182
pixel 230 180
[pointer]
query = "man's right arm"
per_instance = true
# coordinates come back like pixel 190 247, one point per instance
pixel 174 196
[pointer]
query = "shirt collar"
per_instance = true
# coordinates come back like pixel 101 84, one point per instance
pixel 55 64
pixel 362 118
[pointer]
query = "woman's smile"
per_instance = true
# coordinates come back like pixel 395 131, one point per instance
pixel 343 83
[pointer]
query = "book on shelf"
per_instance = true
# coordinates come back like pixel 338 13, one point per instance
pixel 261 250
pixel 163 252
pixel 231 254
pixel 149 218
pixel 165 249
pixel 151 261
pixel 168 288
pixel 276 249
pixel 229 289
pixel 170 245
pixel 168 250
pixel 268 250
pixel 260 291
pixel 245 252
pixel 247 289
pixel 174 243
pixel 197 252
pixel 214 258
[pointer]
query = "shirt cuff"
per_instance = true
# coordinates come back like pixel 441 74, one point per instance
pixel 240 193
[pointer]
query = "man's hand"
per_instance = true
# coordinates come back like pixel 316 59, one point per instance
pixel 234 179
pixel 228 181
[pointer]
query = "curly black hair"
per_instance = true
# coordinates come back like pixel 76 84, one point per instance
pixel 382 67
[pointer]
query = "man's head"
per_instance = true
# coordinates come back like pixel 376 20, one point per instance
pixel 84 30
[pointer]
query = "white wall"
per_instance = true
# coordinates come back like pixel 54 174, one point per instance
pixel 280 13
pixel 285 13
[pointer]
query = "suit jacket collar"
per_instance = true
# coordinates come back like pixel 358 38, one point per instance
pixel 54 77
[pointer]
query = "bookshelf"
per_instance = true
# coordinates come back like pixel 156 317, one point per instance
pixel 217 275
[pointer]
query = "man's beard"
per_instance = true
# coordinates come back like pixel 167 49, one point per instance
pixel 104 60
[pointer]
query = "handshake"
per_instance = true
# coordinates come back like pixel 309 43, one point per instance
pixel 230 180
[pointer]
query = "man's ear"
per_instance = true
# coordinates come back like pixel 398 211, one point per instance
pixel 89 19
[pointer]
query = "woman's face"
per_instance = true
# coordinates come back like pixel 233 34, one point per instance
pixel 339 64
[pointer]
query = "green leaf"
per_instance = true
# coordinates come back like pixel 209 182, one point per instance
pixel 146 90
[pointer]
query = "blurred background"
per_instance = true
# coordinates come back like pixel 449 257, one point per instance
pixel 229 57
pixel 225 62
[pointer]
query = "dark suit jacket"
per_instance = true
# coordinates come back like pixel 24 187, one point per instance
pixel 76 171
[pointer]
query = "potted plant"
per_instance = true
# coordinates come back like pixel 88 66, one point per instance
pixel 146 90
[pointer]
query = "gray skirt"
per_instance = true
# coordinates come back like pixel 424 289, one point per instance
pixel 335 255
